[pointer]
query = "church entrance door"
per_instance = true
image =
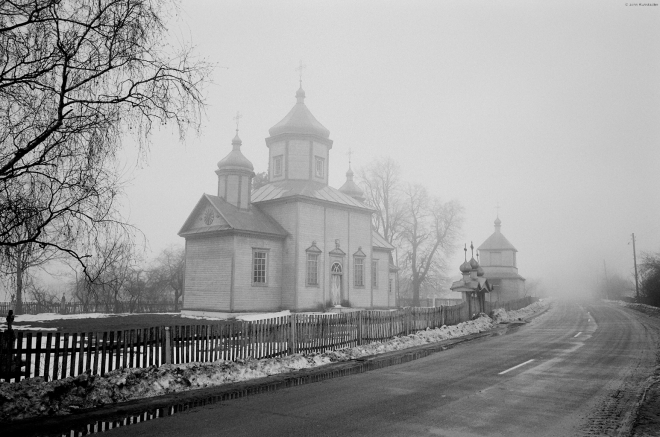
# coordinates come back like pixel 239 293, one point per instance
pixel 335 283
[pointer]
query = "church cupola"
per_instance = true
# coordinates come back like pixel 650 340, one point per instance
pixel 498 224
pixel 350 188
pixel 235 174
pixel 299 146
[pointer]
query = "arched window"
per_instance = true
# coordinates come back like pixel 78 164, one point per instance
pixel 336 268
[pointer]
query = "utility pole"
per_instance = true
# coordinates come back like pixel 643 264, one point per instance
pixel 635 260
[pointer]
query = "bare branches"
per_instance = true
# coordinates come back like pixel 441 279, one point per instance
pixel 75 76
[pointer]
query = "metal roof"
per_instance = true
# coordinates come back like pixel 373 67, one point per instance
pixel 497 241
pixel 305 188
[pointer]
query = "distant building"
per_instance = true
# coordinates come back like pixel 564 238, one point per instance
pixel 497 257
pixel 296 243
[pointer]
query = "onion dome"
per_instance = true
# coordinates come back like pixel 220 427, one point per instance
pixel 480 271
pixel 474 264
pixel 350 188
pixel 465 267
pixel 235 160
pixel 299 120
pixel 498 223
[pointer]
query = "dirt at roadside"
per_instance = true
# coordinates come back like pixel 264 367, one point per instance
pixel 647 421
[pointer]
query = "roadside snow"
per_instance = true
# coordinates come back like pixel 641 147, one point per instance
pixel 34 397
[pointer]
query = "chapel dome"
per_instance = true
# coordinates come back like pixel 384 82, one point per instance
pixel 299 120
pixel 474 264
pixel 480 271
pixel 235 160
pixel 465 267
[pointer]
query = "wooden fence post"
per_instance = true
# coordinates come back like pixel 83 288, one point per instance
pixel 292 334
pixel 359 328
pixel 168 346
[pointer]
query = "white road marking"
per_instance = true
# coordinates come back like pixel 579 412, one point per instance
pixel 515 367
pixel 577 334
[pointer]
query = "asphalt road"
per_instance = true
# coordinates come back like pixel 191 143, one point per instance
pixel 578 369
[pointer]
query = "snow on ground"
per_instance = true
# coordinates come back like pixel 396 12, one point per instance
pixel 32 397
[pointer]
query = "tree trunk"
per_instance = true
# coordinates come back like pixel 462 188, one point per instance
pixel 19 285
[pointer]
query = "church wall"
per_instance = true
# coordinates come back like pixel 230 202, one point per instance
pixel 380 289
pixel 245 191
pixel 321 150
pixel 311 228
pixel 499 258
pixel 232 189
pixel 277 149
pixel 360 236
pixel 249 297
pixel 286 214
pixel 336 228
pixel 207 275
pixel 221 186
pixel 298 159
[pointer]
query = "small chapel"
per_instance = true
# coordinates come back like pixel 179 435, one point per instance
pixel 295 243
pixel 497 257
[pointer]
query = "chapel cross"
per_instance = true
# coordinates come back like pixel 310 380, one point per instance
pixel 498 209
pixel 300 69
pixel 349 153
pixel 237 119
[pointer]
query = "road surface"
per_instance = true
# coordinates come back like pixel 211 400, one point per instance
pixel 578 369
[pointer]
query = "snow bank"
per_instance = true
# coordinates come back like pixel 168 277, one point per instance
pixel 34 397
pixel 502 316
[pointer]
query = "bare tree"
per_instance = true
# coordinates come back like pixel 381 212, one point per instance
pixel 381 183
pixel 649 284
pixel 75 77
pixel 429 231
pixel 259 180
pixel 168 272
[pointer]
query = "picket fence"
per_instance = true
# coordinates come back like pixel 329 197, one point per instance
pixel 83 308
pixel 56 355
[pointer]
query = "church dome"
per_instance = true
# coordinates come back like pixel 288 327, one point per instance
pixel 465 267
pixel 299 120
pixel 474 264
pixel 350 188
pixel 235 160
pixel 480 271
pixel 498 222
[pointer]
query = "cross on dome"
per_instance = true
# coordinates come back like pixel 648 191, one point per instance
pixel 237 119
pixel 300 69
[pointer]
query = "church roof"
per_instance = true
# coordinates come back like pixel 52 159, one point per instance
pixel 479 284
pixel 304 188
pixel 497 241
pixel 299 120
pixel 378 241
pixel 253 220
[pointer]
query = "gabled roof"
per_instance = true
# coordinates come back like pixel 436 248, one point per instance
pixel 253 220
pixel 378 241
pixel 304 188
pixel 497 241
pixel 479 284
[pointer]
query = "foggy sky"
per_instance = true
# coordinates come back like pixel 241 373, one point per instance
pixel 550 110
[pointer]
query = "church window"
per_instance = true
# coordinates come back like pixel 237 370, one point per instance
pixel 374 273
pixel 391 285
pixel 358 262
pixel 259 266
pixel 312 269
pixel 277 166
pixel 320 167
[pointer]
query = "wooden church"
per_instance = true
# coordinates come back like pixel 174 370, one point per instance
pixel 294 244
